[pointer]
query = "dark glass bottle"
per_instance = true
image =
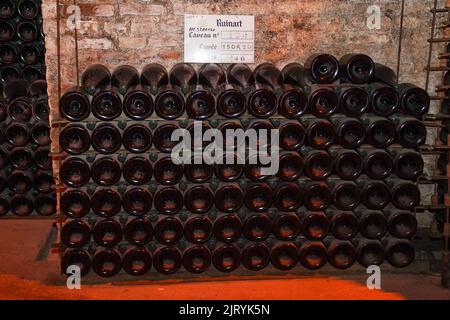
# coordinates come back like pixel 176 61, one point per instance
pixel 106 171
pixel 229 198
pixel 21 158
pixel 399 253
pixel 74 105
pixel 198 230
pixel 197 259
pixel 348 164
pixel 257 227
pixel 95 77
pixel 33 72
pixel 343 224
pixel 138 231
pixel 294 74
pixel 315 225
pixel 137 261
pixel 137 138
pixel 11 72
pixel 7 30
pixel 377 164
pixel 75 172
pixel 106 103
pixel 405 195
pixel 322 68
pixel 319 133
pixel 28 9
pixel 402 224
pixel 20 109
pixel 353 101
pixel 45 205
pixel 341 254
pixel 346 195
pixel 125 77
pixel 290 166
pixel 162 137
pixel 198 199
pixel 312 255
pixel 384 99
pixel 227 228
pixel 154 76
pixel 293 102
pixel 200 102
pixel 167 260
pixel 21 205
pixel 107 263
pixel 411 133
pixel 13 89
pixel 19 181
pixel 317 196
pixel 17 134
pixel 106 203
pixel 75 234
pixel 318 164
pixel 283 256
pixel 372 224
pixel 31 53
pixel 323 102
pixel 409 165
pixel 7 9
pixel 8 55
pixel 231 101
pixel 78 258
pixel 262 138
pixel 106 138
pixel 258 197
pixel 380 132
pixel 292 135
pixel 137 170
pixel 255 256
pixel 183 75
pixel 168 200
pixel 168 231
pixel 241 75
pixel 138 103
pixel 137 201
pixel 41 109
pixel 107 233
pixel 40 134
pixel 169 103
pixel 286 227
pixel 75 203
pixel 356 68
pixel 27 31
pixel 369 252
pixel 253 169
pixel 288 197
pixel 375 194
pixel 196 172
pixel 226 258
pixel 413 100
pixel 229 172
pixel 43 182
pixel 385 75
pixel 166 172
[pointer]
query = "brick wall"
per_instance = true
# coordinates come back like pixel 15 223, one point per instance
pixel 137 32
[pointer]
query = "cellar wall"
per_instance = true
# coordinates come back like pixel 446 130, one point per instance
pixel 138 32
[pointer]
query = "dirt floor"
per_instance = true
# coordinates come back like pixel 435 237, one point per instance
pixel 22 276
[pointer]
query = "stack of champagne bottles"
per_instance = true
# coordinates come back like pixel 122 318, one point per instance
pixel 21 40
pixel 345 190
pixel 26 180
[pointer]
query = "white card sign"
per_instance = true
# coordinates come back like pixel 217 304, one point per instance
pixel 219 39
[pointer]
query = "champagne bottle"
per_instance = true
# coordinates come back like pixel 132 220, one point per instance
pixel 228 198
pixel 106 171
pixel 372 224
pixel 167 260
pixel 74 172
pixel 137 138
pixel 343 224
pixel 28 9
pixel 226 258
pixel 312 255
pixel 78 258
pixel 322 68
pixel 353 101
pixel 227 228
pixel 319 133
pixel 40 134
pixel 411 133
pixel 21 158
pixel 284 256
pixel 258 197
pixel 107 233
pixel 318 164
pixel 107 263
pixel 7 9
pixel 198 199
pixel 380 132
pixel 315 225
pixel 74 105
pixel 375 194
pixel 125 77
pixel 106 138
pixel 402 224
pixel 369 252
pixel 168 231
pixel 317 196
pixel 137 201
pixel 166 172
pixel 27 31
pixel 75 234
pixel 348 164
pixel 198 230
pixel 138 231
pixel 138 103
pixel 106 203
pixel 341 254
pixel 288 197
pixel 94 77
pixel 346 195
pixel 413 100
pixel 405 195
pixel 255 256
pixel 137 261
pixel 356 68
pixel 197 259
pixel 292 135
pixel 17 134
pixel 137 171
pixel 257 227
pixel 409 165
pixel 287 227
pixel 323 102
pixel 290 166
pixel 168 200
pixel 377 164
pixel 75 203
pixel 154 76
pixel 384 99
pixel 399 253
pixel 74 139
pixel 162 137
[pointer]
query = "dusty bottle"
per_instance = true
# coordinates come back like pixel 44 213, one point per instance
pixel 384 99
pixel 106 203
pixel 312 255
pixel 227 228
pixel 356 68
pixel 75 234
pixel 255 256
pixel 138 231
pixel 348 164
pixel 107 263
pixel 283 256
pixel 226 258
pixel 107 233
pixel 288 197
pixel 257 227
pixel 353 101
pixel 315 225
pixel 197 259
pixel 198 230
pixel 137 201
pixel 167 260
pixel 322 69
pixel 168 200
pixel 168 231
pixel 377 163
pixel 137 261
pixel 341 254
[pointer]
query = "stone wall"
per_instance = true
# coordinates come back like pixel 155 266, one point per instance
pixel 137 32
